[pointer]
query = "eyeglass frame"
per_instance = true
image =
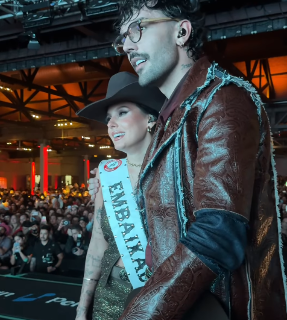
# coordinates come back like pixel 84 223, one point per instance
pixel 151 20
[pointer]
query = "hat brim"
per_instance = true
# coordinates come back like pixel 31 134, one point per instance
pixel 149 97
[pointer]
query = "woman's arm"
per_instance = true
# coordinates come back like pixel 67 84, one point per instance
pixel 97 247
pixel 23 257
pixel 12 259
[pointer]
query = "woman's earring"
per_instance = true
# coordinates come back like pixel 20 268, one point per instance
pixel 149 129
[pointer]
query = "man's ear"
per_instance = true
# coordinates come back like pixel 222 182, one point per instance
pixel 184 32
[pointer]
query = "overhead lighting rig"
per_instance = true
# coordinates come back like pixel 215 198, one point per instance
pixel 24 149
pixel 36 14
pixel 100 7
pixel 63 123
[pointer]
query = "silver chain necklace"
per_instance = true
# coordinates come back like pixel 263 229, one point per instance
pixel 133 165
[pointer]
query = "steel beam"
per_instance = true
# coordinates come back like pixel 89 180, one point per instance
pixel 70 101
pixel 9 133
pixel 37 87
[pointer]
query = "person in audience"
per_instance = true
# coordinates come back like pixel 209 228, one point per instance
pixel 23 218
pixel 5 246
pixel 31 231
pixel 74 210
pixel 43 212
pixel 15 225
pixel 83 224
pixel 61 234
pixel 60 217
pixel 59 211
pixel 47 254
pixel 78 242
pixel 52 211
pixel 53 222
pixel 85 213
pixel 75 220
pixel 21 253
pixel 13 208
pixel 91 216
pixel 7 217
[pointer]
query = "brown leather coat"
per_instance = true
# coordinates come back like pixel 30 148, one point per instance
pixel 222 160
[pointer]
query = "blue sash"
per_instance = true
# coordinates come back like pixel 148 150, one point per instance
pixel 124 218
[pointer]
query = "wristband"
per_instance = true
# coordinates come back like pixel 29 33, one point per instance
pixel 91 279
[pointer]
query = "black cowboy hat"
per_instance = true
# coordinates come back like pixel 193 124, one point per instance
pixel 123 87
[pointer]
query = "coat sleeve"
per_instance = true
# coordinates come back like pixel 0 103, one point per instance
pixel 228 142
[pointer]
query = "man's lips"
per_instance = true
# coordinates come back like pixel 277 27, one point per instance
pixel 134 61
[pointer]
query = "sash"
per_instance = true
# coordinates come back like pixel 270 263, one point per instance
pixel 124 218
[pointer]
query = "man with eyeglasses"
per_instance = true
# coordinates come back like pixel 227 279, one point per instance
pixel 208 179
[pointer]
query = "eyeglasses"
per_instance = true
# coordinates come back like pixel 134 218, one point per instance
pixel 134 32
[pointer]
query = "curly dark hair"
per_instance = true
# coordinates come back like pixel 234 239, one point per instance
pixel 180 9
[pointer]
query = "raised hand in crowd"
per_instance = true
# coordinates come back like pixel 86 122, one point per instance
pixel 94 185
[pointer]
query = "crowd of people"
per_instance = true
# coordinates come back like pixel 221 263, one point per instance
pixel 44 232
pixel 47 233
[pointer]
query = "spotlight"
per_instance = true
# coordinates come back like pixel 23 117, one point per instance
pixel 108 156
pixel 4 88
pixel 91 145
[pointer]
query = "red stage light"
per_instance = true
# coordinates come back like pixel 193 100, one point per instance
pixel 33 177
pixel 88 169
pixel 45 159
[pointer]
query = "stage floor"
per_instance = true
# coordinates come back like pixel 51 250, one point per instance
pixel 38 297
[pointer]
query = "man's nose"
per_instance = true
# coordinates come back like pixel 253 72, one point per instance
pixel 129 46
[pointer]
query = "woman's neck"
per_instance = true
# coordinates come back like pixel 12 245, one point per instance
pixel 136 156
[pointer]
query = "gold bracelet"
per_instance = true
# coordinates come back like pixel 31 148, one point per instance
pixel 90 279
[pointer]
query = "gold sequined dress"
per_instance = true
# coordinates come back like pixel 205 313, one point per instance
pixel 111 293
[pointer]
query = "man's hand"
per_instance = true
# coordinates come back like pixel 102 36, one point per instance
pixel 79 252
pixel 94 185
pixel 34 227
pixel 61 225
pixel 70 232
pixel 51 269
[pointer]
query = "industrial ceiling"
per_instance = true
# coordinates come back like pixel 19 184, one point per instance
pixel 56 57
